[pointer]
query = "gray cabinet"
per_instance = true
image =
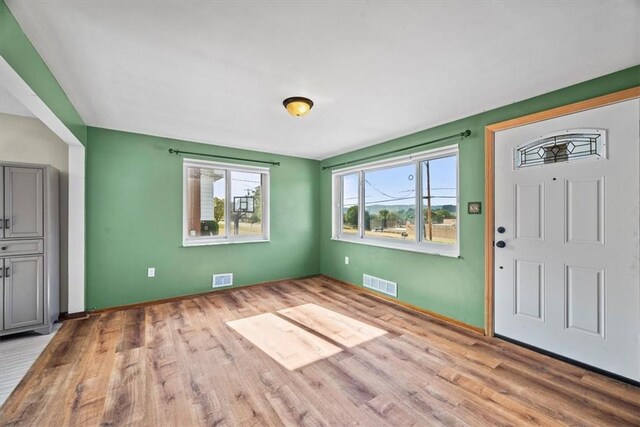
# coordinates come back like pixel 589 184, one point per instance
pixel 29 248
pixel 23 291
pixel 23 202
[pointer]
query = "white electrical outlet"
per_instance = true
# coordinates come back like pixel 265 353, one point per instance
pixel 151 272
pixel 346 260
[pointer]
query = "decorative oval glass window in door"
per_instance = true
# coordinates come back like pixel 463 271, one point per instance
pixel 563 146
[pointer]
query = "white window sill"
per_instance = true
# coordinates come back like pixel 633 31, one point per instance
pixel 423 248
pixel 222 242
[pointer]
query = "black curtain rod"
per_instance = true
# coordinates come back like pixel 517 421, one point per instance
pixel 464 134
pixel 266 162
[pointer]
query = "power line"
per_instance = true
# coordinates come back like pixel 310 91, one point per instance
pixel 394 199
pixel 245 180
pixel 390 200
pixel 377 189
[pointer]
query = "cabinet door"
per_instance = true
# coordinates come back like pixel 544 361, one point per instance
pixel 23 202
pixel 23 291
pixel 1 202
pixel 1 294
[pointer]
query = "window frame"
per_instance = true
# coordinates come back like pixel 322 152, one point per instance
pixel 418 244
pixel 227 238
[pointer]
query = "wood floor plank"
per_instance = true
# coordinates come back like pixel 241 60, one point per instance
pixel 133 333
pixel 340 328
pixel 387 408
pixel 294 411
pixel 406 394
pixel 614 388
pixel 180 363
pixel 286 343
pixel 87 388
pixel 249 406
pixel 314 381
pixel 127 401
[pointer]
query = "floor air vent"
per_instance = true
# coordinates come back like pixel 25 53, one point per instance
pixel 222 280
pixel 380 285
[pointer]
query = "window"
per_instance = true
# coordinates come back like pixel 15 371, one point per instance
pixel 224 203
pixel 561 147
pixel 408 203
pixel 350 204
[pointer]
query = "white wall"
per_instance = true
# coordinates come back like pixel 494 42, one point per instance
pixel 28 140
pixel 76 232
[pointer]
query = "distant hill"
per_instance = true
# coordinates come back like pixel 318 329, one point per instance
pixel 448 208
pixel 374 209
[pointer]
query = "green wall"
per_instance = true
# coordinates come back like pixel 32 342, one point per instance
pixel 134 217
pixel 134 221
pixel 453 287
pixel 18 51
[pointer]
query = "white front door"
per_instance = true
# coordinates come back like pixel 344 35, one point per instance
pixel 567 217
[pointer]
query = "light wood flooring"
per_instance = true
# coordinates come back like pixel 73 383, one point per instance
pixel 179 364
pixel 289 345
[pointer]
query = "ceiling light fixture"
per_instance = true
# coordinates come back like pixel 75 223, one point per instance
pixel 298 105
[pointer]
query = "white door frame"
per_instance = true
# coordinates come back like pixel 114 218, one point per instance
pixel 490 131
pixel 12 81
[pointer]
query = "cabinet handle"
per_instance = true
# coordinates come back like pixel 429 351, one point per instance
pixel 1 223
pixel 6 272
pixel 4 248
pixel 6 223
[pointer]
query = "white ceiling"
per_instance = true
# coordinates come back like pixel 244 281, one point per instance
pixel 10 105
pixel 217 72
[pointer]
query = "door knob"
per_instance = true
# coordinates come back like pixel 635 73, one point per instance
pixel 501 230
pixel 501 244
